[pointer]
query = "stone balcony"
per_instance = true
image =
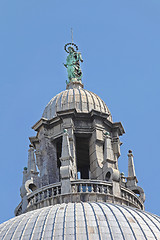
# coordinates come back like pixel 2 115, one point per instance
pixel 81 190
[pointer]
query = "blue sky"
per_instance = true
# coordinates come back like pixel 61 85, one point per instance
pixel 120 45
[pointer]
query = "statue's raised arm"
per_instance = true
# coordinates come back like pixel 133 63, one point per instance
pixel 80 57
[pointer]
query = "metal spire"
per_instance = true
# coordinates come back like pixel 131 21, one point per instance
pixel 72 35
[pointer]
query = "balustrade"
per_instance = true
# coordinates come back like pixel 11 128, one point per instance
pixel 130 197
pixel 83 186
pixel 45 196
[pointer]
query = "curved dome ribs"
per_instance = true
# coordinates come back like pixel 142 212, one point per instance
pixel 93 102
pixel 83 101
pixel 80 99
pixel 87 101
pixel 126 219
pixel 106 219
pixel 83 221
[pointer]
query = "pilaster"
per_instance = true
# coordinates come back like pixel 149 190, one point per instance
pixel 96 154
pixel 68 124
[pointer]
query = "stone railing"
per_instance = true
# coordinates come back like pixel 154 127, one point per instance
pixel 81 190
pixel 96 187
pixel 91 186
pixel 131 198
pixel 39 198
pixel 43 196
pixel 51 194
pixel 18 209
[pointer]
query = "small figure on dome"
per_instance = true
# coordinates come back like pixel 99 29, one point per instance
pixel 73 63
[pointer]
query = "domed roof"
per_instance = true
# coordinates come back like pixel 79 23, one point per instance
pixel 80 99
pixel 82 221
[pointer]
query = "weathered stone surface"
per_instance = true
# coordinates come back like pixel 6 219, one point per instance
pixel 65 157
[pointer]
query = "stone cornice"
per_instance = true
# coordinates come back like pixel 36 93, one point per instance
pixel 119 126
pixel 74 114
pixel 34 140
pixel 45 122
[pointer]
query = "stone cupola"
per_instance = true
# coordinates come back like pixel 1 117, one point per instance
pixel 76 151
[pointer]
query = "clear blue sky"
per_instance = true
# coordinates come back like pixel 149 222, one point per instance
pixel 120 45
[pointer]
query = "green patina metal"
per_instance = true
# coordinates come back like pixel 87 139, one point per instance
pixel 106 133
pixel 73 63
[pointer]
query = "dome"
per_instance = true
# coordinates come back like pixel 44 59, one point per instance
pixel 82 221
pixel 80 99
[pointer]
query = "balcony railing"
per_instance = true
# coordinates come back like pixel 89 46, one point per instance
pixel 42 194
pixel 130 197
pixel 81 190
pixel 18 209
pixel 91 186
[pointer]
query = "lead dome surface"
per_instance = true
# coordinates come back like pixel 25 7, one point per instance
pixel 80 99
pixel 93 221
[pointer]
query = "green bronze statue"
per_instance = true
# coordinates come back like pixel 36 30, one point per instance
pixel 73 63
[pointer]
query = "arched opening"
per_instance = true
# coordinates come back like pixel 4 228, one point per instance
pixel 32 187
pixel 108 176
pixel 82 156
pixel 59 152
